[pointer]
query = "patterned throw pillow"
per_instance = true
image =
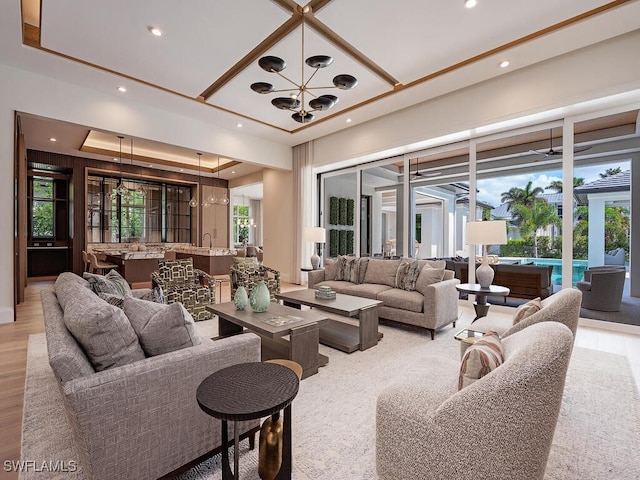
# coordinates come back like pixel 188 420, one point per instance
pixel 111 299
pixel 348 269
pixel 111 283
pixel 407 274
pixel 527 309
pixel 480 359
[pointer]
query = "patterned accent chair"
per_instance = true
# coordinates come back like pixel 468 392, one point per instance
pixel 180 282
pixel 246 271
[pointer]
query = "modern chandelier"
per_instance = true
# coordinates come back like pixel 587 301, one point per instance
pixel 298 94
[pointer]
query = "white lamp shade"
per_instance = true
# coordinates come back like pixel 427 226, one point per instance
pixel 315 234
pixel 493 232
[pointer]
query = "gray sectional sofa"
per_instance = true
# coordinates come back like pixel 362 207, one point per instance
pixel 431 304
pixel 136 419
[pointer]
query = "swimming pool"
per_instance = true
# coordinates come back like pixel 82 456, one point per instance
pixel 579 266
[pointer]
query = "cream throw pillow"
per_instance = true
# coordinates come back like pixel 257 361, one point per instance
pixel 480 359
pixel 527 309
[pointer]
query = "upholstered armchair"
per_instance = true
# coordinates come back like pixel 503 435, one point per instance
pixel 602 288
pixel 615 257
pixel 246 271
pixel 180 282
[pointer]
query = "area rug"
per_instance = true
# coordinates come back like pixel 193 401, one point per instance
pixel 334 413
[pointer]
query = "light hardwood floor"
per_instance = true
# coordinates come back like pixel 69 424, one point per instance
pixel 13 354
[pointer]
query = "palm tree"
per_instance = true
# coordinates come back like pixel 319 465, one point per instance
pixel 521 196
pixel 557 184
pixel 537 216
pixel 610 172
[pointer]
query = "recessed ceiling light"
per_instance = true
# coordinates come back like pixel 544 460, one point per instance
pixel 470 3
pixel 504 64
pixel 150 165
pixel 156 31
pixel 115 159
pixel 182 169
pixel 122 89
pixel 348 120
pixel 239 125
pixel 233 172
pixel 52 139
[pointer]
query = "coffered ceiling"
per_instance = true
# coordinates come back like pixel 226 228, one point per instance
pixel 401 52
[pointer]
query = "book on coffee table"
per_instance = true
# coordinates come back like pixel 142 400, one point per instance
pixel 280 320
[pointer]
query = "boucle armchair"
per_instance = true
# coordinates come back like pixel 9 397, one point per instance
pixel 499 427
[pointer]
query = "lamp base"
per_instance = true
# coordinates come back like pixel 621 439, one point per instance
pixel 484 273
pixel 315 261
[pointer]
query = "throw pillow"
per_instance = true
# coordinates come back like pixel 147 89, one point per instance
pixel 112 283
pixel 102 330
pixel 111 299
pixel 411 276
pixel 161 328
pixel 480 359
pixel 347 269
pixel 427 276
pixel 362 268
pixel 400 272
pixel 527 309
pixel 330 268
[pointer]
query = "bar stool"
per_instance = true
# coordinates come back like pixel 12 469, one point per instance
pixel 99 264
pixel 87 264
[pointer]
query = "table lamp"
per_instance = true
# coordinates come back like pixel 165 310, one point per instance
pixel 493 232
pixel 315 235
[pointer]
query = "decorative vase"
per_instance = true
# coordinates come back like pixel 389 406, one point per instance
pixel 241 299
pixel 260 297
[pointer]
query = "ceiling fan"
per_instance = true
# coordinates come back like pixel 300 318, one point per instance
pixel 557 152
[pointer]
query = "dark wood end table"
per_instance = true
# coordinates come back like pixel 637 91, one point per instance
pixel 249 391
pixel 480 305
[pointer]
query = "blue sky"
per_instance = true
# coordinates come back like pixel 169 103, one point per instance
pixel 490 190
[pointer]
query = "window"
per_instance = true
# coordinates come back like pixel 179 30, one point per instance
pixel 161 214
pixel 241 223
pixel 42 217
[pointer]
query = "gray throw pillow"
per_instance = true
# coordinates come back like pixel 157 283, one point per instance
pixel 112 283
pixel 427 276
pixel 102 330
pixel 161 328
pixel 330 269
pixel 348 269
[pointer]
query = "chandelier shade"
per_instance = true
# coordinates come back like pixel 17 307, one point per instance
pixel 298 91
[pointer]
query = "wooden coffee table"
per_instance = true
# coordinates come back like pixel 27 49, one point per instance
pixel 303 332
pixel 336 334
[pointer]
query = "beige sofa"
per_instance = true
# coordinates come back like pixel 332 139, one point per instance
pixel 430 305
pixel 139 420
pixel 499 427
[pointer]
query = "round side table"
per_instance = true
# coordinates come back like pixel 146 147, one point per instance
pixel 248 391
pixel 480 305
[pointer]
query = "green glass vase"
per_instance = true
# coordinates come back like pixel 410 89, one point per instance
pixel 260 297
pixel 241 299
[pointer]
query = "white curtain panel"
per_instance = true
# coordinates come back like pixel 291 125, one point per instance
pixel 303 194
pixel 255 210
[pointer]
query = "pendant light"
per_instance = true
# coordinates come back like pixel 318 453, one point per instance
pixel 212 199
pixel 119 189
pixel 224 200
pixel 193 203
pixel 140 189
